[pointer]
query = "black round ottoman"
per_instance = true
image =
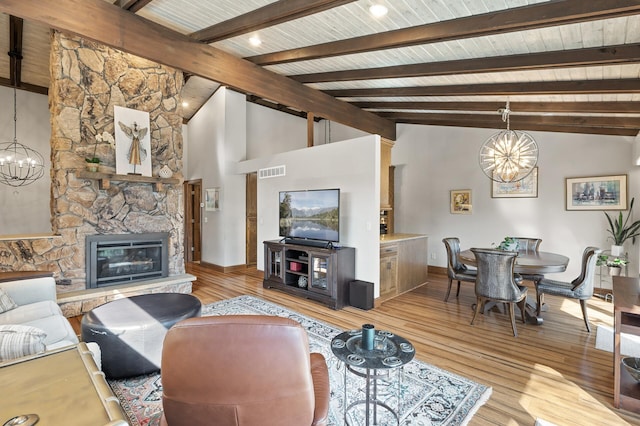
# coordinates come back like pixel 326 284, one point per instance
pixel 130 331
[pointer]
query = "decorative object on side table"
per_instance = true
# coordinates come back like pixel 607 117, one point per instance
pixel 622 230
pixel 368 334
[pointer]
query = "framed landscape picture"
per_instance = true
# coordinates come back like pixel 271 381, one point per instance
pixel 525 188
pixel 461 201
pixel 597 193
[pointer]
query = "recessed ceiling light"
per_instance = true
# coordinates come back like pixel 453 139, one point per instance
pixel 255 41
pixel 185 104
pixel 378 10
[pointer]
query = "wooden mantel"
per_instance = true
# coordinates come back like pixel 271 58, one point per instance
pixel 106 178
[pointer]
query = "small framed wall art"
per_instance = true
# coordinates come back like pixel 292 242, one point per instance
pixel 133 141
pixel 525 188
pixel 212 199
pixel 596 193
pixel 461 201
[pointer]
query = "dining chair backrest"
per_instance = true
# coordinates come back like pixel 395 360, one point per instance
pixel 495 274
pixel 528 244
pixel 583 284
pixel 452 244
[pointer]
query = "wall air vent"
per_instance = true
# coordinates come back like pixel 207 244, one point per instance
pixel 270 172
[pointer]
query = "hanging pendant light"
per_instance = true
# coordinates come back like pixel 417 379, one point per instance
pixel 509 155
pixel 19 164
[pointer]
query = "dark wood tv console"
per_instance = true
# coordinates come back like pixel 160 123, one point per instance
pixel 316 273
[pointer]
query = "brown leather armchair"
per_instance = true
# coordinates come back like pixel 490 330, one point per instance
pixel 242 370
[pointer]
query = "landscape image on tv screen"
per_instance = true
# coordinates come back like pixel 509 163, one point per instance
pixel 313 214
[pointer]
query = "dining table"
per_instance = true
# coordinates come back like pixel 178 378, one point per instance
pixel 528 262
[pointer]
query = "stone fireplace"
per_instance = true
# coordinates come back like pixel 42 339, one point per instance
pixel 87 80
pixel 126 258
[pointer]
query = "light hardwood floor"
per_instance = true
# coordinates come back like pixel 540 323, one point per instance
pixel 552 371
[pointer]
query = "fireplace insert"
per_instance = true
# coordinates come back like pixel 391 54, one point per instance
pixel 126 258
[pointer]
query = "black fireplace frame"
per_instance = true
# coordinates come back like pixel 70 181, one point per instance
pixel 94 242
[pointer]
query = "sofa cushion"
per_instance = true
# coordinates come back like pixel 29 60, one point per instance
pixel 20 340
pixel 6 302
pixel 58 329
pixel 30 312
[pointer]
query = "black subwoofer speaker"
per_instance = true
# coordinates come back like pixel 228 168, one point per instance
pixel 361 294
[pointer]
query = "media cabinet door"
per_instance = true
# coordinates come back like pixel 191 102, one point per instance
pixel 274 262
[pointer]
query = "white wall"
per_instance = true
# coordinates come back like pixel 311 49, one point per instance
pixel 430 161
pixel 270 132
pixel 354 167
pixel 217 141
pixel 26 209
pixel 329 131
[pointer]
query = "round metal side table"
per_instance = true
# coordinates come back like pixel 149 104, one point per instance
pixel 389 352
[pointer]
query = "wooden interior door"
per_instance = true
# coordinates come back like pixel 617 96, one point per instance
pixel 193 220
pixel 252 220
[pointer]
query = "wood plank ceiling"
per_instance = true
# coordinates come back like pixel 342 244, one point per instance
pixel 564 66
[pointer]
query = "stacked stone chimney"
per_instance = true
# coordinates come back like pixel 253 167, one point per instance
pixel 87 81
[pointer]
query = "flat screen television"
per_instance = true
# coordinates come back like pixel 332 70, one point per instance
pixel 310 215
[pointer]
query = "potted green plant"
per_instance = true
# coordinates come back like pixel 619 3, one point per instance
pixel 508 244
pixel 614 263
pixel 93 162
pixel 621 230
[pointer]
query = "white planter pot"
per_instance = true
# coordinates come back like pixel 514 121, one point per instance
pixel 617 250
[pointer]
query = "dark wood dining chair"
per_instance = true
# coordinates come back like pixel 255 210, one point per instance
pixel 580 288
pixel 456 270
pixel 495 282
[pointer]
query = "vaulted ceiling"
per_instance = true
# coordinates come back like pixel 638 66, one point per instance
pixel 564 66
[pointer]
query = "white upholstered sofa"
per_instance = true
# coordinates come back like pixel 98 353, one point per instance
pixel 37 308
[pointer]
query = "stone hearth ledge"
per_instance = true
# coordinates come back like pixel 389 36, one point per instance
pixel 76 303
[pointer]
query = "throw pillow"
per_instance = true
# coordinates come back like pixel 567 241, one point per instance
pixel 20 340
pixel 6 302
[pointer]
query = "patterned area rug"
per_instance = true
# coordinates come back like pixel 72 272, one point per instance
pixel 428 395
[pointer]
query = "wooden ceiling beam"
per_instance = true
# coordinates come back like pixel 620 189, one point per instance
pixel 541 128
pixel 133 5
pixel 279 107
pixel 582 87
pixel 25 86
pixel 498 124
pixel 266 16
pixel 626 53
pixel 130 33
pixel 577 107
pixel 517 19
pixel 518 121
